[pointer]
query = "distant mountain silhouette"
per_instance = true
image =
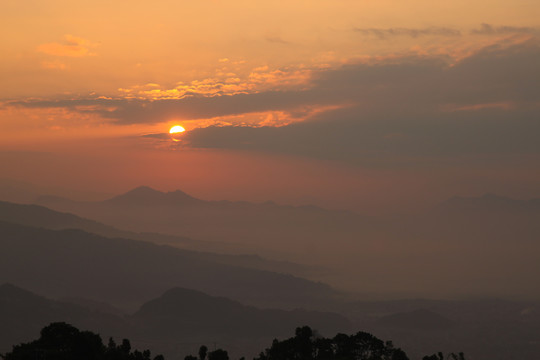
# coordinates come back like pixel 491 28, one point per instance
pixel 127 272
pixel 489 217
pixel 146 196
pixel 180 320
pixel 39 216
pixel 183 312
pixel 485 329
pixel 420 319
pixel 24 192
pixel 354 245
pixel 18 191
pixel 286 232
pixel 491 202
pixel 23 314
pixel 163 324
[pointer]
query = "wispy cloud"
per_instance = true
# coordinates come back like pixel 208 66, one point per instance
pixel 277 40
pixel 384 33
pixel 55 65
pixel 488 29
pixel 226 83
pixel 484 29
pixel 72 46
pixel 416 106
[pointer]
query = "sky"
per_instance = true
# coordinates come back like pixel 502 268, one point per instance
pixel 369 106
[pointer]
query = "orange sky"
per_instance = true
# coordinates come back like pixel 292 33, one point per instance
pixel 341 96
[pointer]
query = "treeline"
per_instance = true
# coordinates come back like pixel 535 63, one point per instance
pixel 61 341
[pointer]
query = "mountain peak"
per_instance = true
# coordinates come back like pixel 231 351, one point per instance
pixel 180 195
pixel 143 190
pixel 142 195
pixel 146 196
pixel 183 303
pixel 8 287
pixel 13 293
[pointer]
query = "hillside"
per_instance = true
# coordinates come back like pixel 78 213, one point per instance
pixel 184 312
pixel 175 323
pixel 128 272
pixel 42 217
pixel 286 232
pixel 23 314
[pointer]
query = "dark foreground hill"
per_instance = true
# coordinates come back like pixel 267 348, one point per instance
pixel 126 272
pixel 62 341
pixel 23 314
pixel 184 312
pixel 485 329
pixel 180 320
pixel 175 323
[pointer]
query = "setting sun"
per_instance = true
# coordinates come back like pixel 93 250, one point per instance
pixel 176 129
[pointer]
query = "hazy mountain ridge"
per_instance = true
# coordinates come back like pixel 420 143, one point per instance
pixel 254 225
pixel 24 313
pixel 146 196
pixel 482 328
pixel 189 312
pixel 420 319
pixel 39 216
pixel 123 271
pixel 179 320
pixel 350 246
pixel 18 191
pixel 164 324
pixel 490 202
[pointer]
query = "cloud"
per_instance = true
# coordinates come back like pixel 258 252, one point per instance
pixel 383 33
pixel 417 109
pixel 159 136
pixel 487 29
pixel 341 135
pixel 389 112
pixel 71 47
pixel 224 83
pixel 276 40
pixel 55 65
pixel 484 29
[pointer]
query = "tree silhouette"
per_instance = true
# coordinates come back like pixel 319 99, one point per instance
pixel 306 346
pixel 218 354
pixel 61 341
pixel 440 356
pixel 203 350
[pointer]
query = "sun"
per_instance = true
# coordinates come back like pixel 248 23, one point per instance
pixel 175 132
pixel 176 129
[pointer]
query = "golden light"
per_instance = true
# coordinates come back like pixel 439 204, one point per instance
pixel 176 129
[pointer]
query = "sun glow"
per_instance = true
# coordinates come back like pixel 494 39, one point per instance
pixel 176 129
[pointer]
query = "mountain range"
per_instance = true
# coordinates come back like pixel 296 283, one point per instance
pixel 163 290
pixel 164 324
pixel 42 217
pixel 483 246
pixel 127 272
pixel 256 227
